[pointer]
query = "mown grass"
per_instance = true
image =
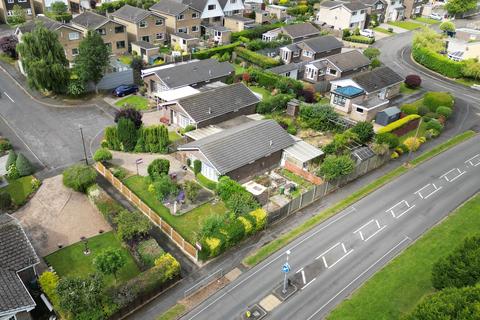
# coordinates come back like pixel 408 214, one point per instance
pixel 406 90
pixel 286 238
pixel 408 25
pixel 137 102
pixel 19 189
pixel 383 30
pixel 427 20
pixel 173 313
pixel 396 289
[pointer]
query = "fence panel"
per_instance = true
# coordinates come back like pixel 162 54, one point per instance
pixel 319 191
pixel 278 214
pixel 295 204
pixel 307 198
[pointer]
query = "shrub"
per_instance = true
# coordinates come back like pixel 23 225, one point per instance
pixel 79 177
pixel 23 165
pixel 423 110
pixel 149 251
pixel 371 53
pixel 444 111
pixel 241 203
pixel 191 190
pixel 80 295
pixel 197 166
pixel 334 167
pixel 254 33
pixel 412 143
pixel 398 124
pixel 220 50
pixel 164 187
pixel 435 125
pixel 169 264
pixel 12 172
pixel 257 58
pixel 273 103
pixel 346 33
pixel 102 154
pixel 153 139
pixel 318 117
pixel 272 81
pixel 158 168
pixel 5 200
pixel 189 128
pixel 359 39
pixel 260 216
pixel 413 81
pixel 111 138
pixel 409 108
pixel 48 282
pixel 5 145
pixel 127 134
pixel 394 155
pixel 437 62
pixel 76 88
pixel 130 113
pixel 364 131
pixel 247 225
pixel 227 187
pixel 433 100
pixel 11 159
pixel 447 26
pixel 131 225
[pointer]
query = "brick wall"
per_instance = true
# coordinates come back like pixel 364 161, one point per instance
pixel 304 174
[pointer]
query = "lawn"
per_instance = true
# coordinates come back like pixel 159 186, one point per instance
pixel 359 38
pixel 20 189
pixel 188 224
pixel 173 136
pixel 138 102
pixel 238 69
pixel 261 90
pixel 427 20
pixel 125 59
pixel 383 30
pixel 70 261
pixel 408 25
pixel 407 91
pixel 395 290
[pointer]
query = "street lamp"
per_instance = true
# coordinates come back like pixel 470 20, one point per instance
pixel 285 269
pixel 407 163
pixel 84 149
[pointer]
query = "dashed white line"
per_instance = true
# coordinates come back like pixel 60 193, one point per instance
pixel 470 161
pixel 460 173
pixel 366 224
pixel 375 233
pixel 404 202
pixel 303 277
pixel 331 248
pixel 419 192
pixel 343 257
pixel 308 283
pixel 8 97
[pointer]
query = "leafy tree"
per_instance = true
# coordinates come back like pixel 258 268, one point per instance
pixel 59 7
pixel 130 113
pixel 389 138
pixel 132 225
pixel 12 159
pixel 5 200
pixel 242 203
pixel 79 295
pixel 23 165
pixel 127 134
pixel 79 177
pixel 455 7
pixel 413 81
pixel 92 59
pixel 318 117
pixel 461 268
pixel 453 303
pixel 334 167
pixel 164 187
pixel 19 15
pixel 371 53
pixel 43 58
pixel 8 45
pixel 444 111
pixel 375 63
pixel 158 168
pixel 137 65
pixel 227 187
pixel 364 131
pixel 273 103
pixel 191 190
pixel 102 154
pixel 197 166
pixel 447 26
pixel 110 261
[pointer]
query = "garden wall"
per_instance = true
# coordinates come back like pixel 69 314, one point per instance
pixel 310 177
pixel 184 245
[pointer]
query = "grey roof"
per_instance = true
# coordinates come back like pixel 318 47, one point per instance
pixel 184 35
pixel 144 44
pixel 351 5
pixel 90 20
pixel 286 68
pixel 391 111
pixel 330 3
pixel 355 6
pixel 372 2
pixel 323 43
pixel 169 7
pixel 292 47
pixel 213 103
pixel 349 60
pixel 300 30
pixel 236 147
pixel 372 103
pixel 319 64
pixel 132 14
pixel 16 253
pixel 196 4
pixel 46 22
pixel 194 72
pixel 240 18
pixel 215 27
pixel 303 151
pixel 377 79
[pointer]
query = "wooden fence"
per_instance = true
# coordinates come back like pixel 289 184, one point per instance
pixel 184 245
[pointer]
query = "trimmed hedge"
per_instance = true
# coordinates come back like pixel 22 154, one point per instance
pixel 257 58
pixel 437 62
pixel 272 81
pixel 254 33
pixel 398 124
pixel 360 39
pixel 409 108
pixel 434 100
pixel 220 50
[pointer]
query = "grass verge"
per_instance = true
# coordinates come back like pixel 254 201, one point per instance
pixel 406 90
pixel 397 288
pixel 173 313
pixel 427 20
pixel 408 25
pixel 383 30
pixel 20 189
pixel 286 238
pixel 137 102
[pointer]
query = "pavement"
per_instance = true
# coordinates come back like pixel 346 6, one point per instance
pixel 337 256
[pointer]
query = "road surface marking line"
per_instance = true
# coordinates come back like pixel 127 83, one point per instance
pixel 471 162
pixel 419 191
pixel 401 214
pixel 358 277
pixel 8 96
pixel 378 223
pixel 361 234
pixel 461 174
pixel 299 270
pixel 434 191
pixel 344 256
pixel 331 248
pixel 366 224
pixel 303 277
pixel 445 175
pixel 325 262
pixel 308 284
pixel 373 234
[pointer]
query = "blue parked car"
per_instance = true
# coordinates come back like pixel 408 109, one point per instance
pixel 124 90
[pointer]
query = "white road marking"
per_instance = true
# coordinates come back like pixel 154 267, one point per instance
pixel 331 248
pixel 380 228
pixel 344 256
pixel 403 202
pixel 375 233
pixel 308 284
pixel 419 192
pixel 459 174
pixel 471 162
pixel 8 96
pixel 366 224
pixel 358 277
pixel 303 277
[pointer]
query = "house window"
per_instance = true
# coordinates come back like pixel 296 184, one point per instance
pixel 184 41
pixel 195 15
pixel 73 36
pixel 379 6
pixel 183 30
pixel 146 38
pixel 121 44
pixel 354 13
pixel 194 28
pixel 236 11
pixel 142 24
pixel 308 54
pixel 159 36
pixel 22 0
pixel 359 110
pixel 216 19
pixel 29 11
pixel 9 13
pixel 362 11
pixel 102 31
pixel 212 7
pixel 287 74
pixel 233 1
pixel 217 33
pixel 74 51
pixel 352 25
pixel 311 73
pixel 180 17
pixel 331 71
pixel 339 100
pixel 159 22
pixel 11 1
pixel 119 29
pixel 296 54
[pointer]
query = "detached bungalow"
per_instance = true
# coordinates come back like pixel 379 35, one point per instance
pixel 311 49
pixel 296 32
pixel 240 152
pixel 211 107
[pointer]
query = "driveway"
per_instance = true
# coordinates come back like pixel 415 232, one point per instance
pixel 57 215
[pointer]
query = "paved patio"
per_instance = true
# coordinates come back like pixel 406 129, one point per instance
pixel 57 215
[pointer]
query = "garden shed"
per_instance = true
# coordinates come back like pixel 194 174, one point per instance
pixel 387 116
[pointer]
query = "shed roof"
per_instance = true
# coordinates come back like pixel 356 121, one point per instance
pixel 391 111
pixel 144 44
pixel 303 151
pixel 176 94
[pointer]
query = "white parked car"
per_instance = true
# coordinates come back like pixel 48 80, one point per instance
pixel 436 16
pixel 367 33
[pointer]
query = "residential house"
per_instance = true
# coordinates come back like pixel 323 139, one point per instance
pixel 240 152
pixel 336 66
pixel 179 17
pixel 211 10
pixel 395 10
pixel 141 25
pixel 237 23
pixel 17 269
pixel 183 41
pixel 253 5
pixel 232 7
pixel 280 12
pixel 291 70
pixel 217 34
pixel 311 49
pixel 296 32
pixel 342 15
pixel 68 35
pixel 146 50
pixel 376 11
pixel 114 33
pixel 467 34
pixel 211 106
pixel 6 9
pixel 262 17
pixel 413 8
pixel 193 73
pixel 459 50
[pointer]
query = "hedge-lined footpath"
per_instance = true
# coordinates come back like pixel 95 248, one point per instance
pixel 393 291
pixel 286 238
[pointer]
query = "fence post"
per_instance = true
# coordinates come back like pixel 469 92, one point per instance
pixel 326 188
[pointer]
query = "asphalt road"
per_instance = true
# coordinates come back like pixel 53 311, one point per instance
pixel 340 254
pixel 48 136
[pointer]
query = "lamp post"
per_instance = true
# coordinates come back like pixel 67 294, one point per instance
pixel 407 163
pixel 285 269
pixel 84 149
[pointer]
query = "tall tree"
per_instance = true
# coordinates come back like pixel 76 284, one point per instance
pixel 59 7
pixel 455 7
pixel 44 61
pixel 110 261
pixel 92 59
